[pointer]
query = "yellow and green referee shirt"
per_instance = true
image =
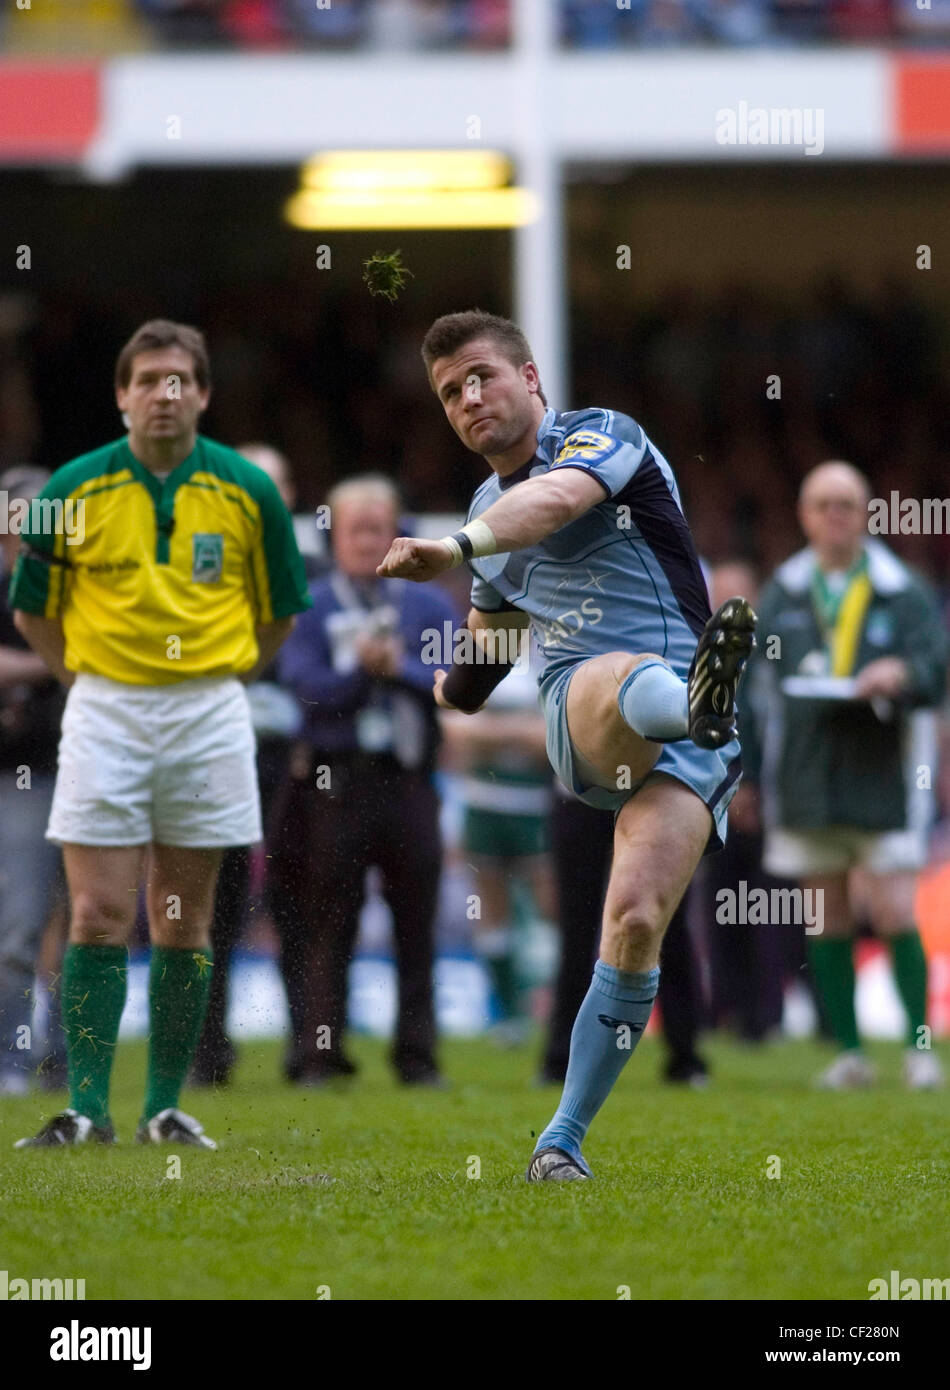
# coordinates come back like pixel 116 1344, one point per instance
pixel 168 580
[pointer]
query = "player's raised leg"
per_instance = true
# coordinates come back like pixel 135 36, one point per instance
pixel 659 838
pixel 620 707
pixel 102 889
pixel 180 895
pixel 610 725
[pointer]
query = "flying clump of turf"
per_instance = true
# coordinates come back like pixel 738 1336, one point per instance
pixel 385 274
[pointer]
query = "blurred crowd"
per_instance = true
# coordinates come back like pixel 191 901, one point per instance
pixel 744 396
pixel 384 25
pixel 859 378
pixel 740 23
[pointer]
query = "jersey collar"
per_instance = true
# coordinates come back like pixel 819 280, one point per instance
pixel 155 486
pixel 547 423
pixel 524 471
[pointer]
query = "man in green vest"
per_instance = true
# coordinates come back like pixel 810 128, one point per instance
pixel 841 731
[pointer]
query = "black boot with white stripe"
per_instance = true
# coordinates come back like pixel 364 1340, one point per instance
pixel 724 648
pixel 67 1129
pixel 173 1127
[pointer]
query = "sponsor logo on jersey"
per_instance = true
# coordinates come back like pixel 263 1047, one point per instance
pixel 584 447
pixel 555 631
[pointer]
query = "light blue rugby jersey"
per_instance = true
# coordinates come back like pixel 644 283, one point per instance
pixel 624 576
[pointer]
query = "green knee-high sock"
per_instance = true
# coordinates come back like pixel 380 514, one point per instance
pixel 178 985
pixel 95 979
pixel 495 947
pixel 910 973
pixel 832 962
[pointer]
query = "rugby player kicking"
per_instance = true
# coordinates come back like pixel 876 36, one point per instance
pixel 579 532
pixel 184 585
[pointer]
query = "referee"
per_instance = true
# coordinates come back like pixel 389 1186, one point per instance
pixel 162 575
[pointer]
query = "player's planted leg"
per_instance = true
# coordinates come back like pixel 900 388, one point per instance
pixel 659 838
pixel 608 1027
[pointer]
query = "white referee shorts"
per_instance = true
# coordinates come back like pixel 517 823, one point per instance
pixel 170 763
pixel 836 849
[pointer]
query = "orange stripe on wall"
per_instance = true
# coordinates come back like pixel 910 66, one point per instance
pixel 922 105
pixel 47 111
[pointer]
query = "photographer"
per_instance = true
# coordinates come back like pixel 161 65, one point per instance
pixel 359 791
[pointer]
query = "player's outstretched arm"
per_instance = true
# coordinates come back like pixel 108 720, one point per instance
pixel 526 514
pixel 538 507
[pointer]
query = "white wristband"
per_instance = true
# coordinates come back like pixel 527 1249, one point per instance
pixel 455 548
pixel 477 538
pixel 482 537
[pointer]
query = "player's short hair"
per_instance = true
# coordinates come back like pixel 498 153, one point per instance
pixel 375 487
pixel 453 331
pixel 162 333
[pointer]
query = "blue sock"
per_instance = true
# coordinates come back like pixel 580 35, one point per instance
pixel 654 702
pixel 607 1029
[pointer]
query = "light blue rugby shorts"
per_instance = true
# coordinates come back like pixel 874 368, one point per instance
pixel 713 774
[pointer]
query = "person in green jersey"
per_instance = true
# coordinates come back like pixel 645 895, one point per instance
pixel 157 575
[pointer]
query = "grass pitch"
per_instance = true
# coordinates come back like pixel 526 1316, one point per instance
pixel 369 1192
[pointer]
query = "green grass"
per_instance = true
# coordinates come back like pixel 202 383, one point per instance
pixel 681 1206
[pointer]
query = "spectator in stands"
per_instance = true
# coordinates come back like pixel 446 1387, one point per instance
pixel 738 23
pixel 846 753
pixel 487 23
pixel 343 24
pixel 861 21
pixel 924 23
pixel 800 21
pixel 360 790
pixel 255 23
pixel 185 23
pixel 666 24
pixel 31 707
pixel 597 23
